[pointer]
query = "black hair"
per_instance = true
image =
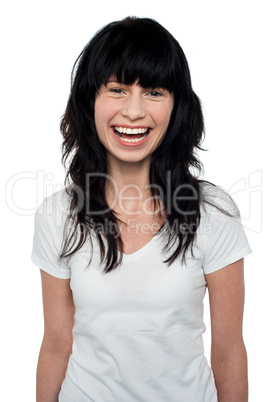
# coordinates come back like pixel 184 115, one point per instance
pixel 132 49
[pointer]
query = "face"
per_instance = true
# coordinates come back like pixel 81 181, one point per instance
pixel 131 121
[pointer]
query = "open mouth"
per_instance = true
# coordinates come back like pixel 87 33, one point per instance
pixel 131 134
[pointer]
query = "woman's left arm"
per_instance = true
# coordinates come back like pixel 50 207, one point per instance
pixel 228 352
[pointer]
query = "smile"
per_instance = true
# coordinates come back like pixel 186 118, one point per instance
pixel 137 134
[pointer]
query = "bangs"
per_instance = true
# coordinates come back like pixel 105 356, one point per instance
pixel 140 52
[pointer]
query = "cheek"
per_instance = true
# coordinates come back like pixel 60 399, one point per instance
pixel 100 121
pixel 162 117
pixel 104 112
pixel 98 114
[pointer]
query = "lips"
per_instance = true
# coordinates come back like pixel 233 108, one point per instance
pixel 131 136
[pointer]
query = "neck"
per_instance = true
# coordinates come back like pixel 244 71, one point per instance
pixel 127 188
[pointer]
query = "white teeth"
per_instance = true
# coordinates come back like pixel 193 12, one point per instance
pixel 134 140
pixel 125 130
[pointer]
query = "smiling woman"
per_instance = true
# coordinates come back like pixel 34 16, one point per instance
pixel 121 80
pixel 128 249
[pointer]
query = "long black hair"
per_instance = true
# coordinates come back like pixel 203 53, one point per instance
pixel 132 49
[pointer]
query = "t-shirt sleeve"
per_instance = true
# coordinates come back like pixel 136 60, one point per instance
pixel 224 240
pixel 47 240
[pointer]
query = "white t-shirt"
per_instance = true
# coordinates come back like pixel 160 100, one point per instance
pixel 138 329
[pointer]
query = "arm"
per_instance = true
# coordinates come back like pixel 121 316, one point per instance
pixel 228 353
pixel 57 341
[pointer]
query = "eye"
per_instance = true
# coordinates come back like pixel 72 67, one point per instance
pixel 155 94
pixel 116 90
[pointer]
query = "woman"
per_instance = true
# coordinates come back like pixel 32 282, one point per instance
pixel 127 250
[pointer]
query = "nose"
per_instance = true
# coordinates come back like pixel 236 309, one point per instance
pixel 133 107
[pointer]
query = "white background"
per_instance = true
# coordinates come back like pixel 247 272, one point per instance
pixel 225 44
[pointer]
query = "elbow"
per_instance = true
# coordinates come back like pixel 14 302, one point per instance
pixel 229 363
pixel 223 352
pixel 229 366
pixel 58 345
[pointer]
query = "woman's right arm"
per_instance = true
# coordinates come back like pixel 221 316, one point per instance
pixel 57 341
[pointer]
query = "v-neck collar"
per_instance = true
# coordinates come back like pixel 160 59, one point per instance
pixel 143 250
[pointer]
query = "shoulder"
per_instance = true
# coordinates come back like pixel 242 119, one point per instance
pixel 58 200
pixel 216 203
pixel 221 236
pixel 49 229
pixel 54 208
